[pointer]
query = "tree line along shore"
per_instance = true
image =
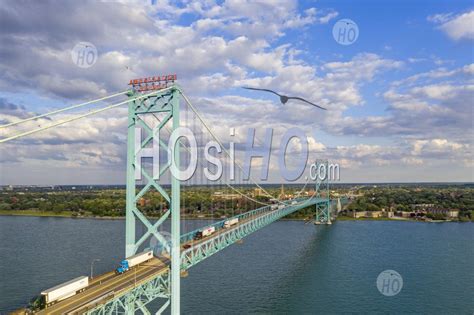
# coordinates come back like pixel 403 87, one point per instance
pixel 416 202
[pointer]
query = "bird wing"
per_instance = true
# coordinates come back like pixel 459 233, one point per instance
pixel 302 99
pixel 257 89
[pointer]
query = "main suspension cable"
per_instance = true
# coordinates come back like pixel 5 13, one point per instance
pixel 27 133
pixel 61 110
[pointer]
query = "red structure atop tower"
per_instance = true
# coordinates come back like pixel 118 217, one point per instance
pixel 152 83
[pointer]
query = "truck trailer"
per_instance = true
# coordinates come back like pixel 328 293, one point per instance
pixel 134 260
pixel 229 223
pixel 64 290
pixel 205 232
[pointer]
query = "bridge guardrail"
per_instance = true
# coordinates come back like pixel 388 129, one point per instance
pixel 189 236
pixel 219 224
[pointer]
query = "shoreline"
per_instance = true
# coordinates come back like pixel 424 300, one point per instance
pixel 50 214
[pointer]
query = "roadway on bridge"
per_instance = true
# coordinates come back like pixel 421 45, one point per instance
pixel 193 243
pixel 105 287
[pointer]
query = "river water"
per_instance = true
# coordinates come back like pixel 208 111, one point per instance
pixel 287 267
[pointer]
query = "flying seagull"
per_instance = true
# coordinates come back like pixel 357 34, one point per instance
pixel 284 98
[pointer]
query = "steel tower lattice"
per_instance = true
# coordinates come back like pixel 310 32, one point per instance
pixel 323 209
pixel 167 103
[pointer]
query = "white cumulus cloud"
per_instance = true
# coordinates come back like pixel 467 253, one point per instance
pixel 457 27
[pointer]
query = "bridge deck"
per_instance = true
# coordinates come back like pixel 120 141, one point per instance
pixel 107 286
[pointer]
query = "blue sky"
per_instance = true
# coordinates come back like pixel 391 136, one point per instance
pixel 399 99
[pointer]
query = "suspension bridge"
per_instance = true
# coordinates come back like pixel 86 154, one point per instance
pixel 159 106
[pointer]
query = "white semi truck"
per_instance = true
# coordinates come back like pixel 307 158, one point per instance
pixel 205 232
pixel 229 223
pixel 64 290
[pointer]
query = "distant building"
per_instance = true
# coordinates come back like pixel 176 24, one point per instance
pixel 374 214
pixel 142 202
pixel 450 213
pixel 453 213
pixel 360 214
pixel 283 195
pixel 422 206
pixel 371 214
pixel 221 195
pixel 405 214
